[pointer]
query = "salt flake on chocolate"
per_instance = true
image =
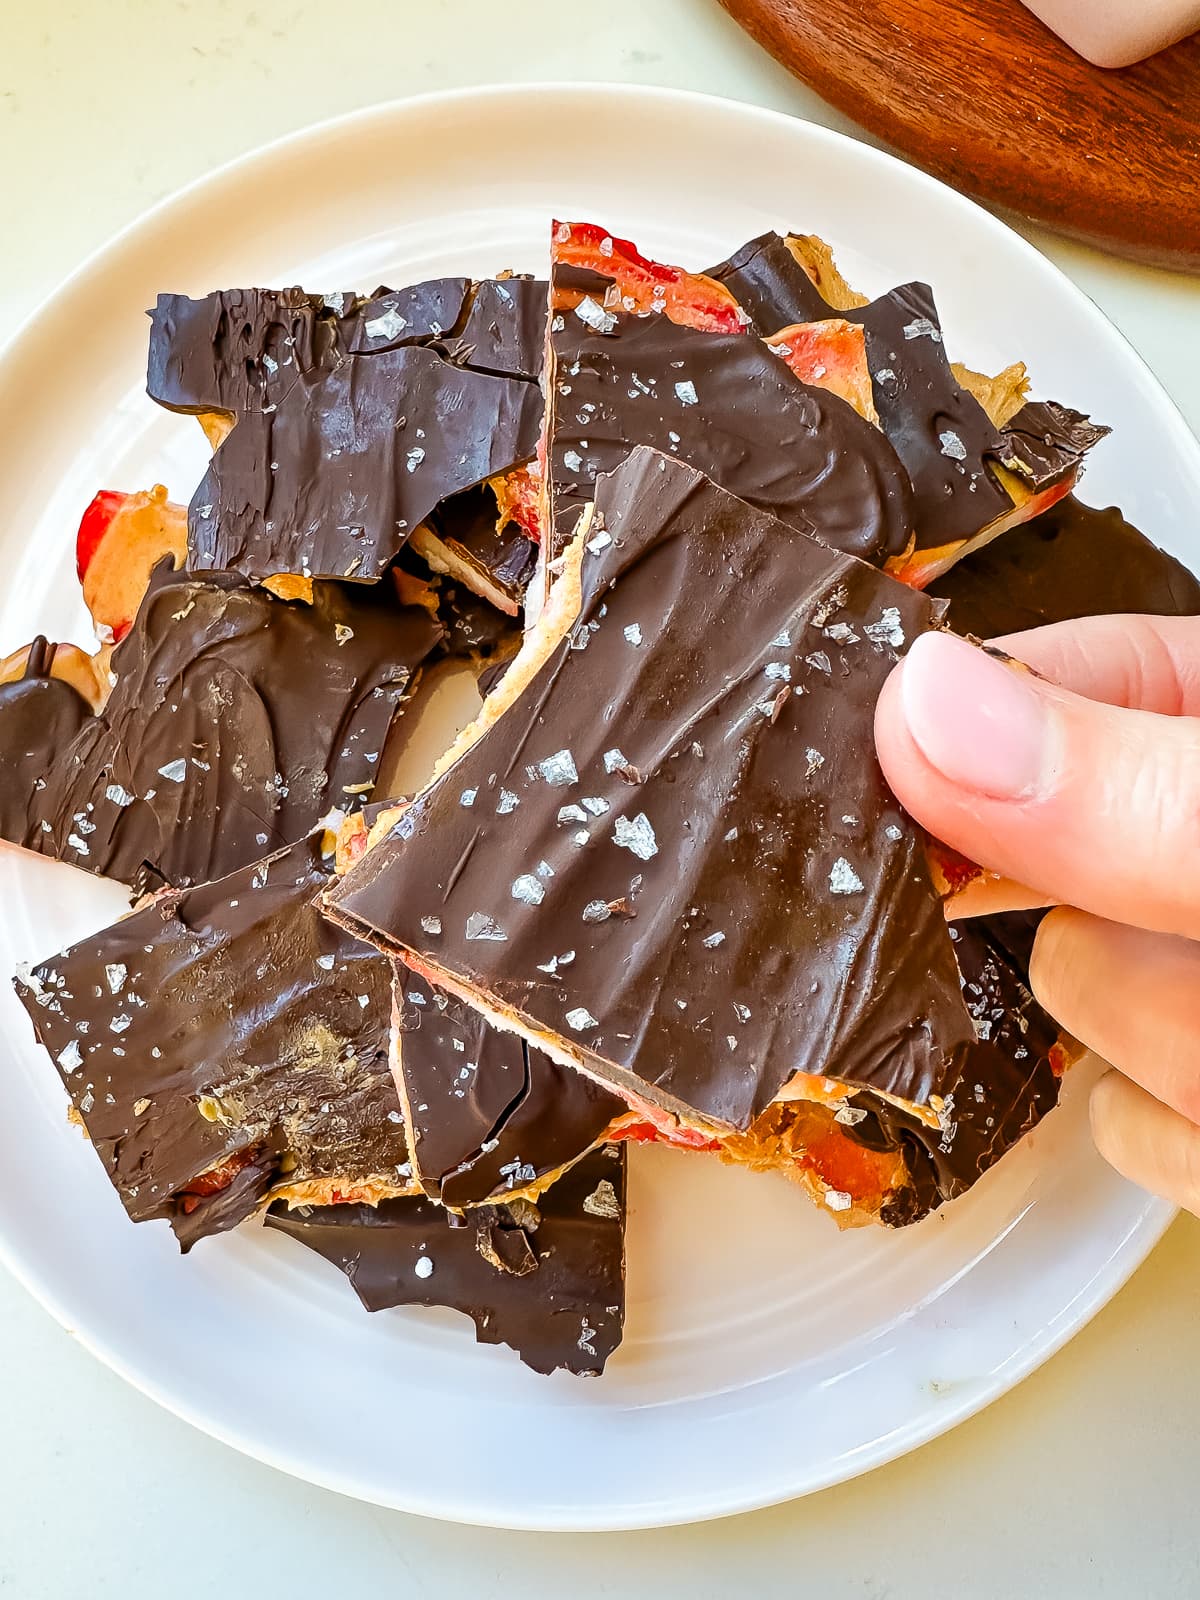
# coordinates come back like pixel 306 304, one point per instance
pixel 843 879
pixel 887 630
pixel 581 1020
pixel 528 889
pixel 923 328
pixel 558 769
pixel 636 835
pixel 482 928
pixel 595 316
pixel 390 325
pixel 70 1057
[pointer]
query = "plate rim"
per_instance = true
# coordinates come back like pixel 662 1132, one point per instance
pixel 1142 1236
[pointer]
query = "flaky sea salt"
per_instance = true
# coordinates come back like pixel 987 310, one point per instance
pixel 558 769
pixel 843 879
pixel 887 630
pixel 636 834
pixel 923 328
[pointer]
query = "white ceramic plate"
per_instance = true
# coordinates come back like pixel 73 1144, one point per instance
pixel 766 1355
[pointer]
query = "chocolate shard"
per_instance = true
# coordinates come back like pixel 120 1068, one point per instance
pixel 940 431
pixel 1008 1078
pixel 224 1040
pixel 1047 442
pixel 567 1312
pixel 486 1115
pixel 1072 561
pixel 234 351
pixel 774 910
pixel 39 717
pixel 350 424
pixel 724 403
pixel 949 445
pixel 771 286
pixel 396 317
pixel 466 540
pixel 505 329
pixel 477 634
pixel 236 721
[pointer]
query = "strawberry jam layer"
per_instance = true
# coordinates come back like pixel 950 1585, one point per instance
pixel 688 298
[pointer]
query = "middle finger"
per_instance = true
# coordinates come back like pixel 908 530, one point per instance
pixel 1131 996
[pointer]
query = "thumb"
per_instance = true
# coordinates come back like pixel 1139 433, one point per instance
pixel 1093 805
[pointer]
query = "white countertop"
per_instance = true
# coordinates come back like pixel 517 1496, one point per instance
pixel 1081 1483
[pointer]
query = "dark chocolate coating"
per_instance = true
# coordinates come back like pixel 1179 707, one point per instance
pixel 240 994
pixel 771 286
pixel 39 717
pixel 395 317
pixel 236 350
pixel 350 426
pixel 476 632
pixel 768 908
pixel 237 720
pixel 558 1299
pixel 940 431
pixel 505 556
pixel 800 453
pixel 485 1112
pixel 1072 561
pixel 1047 441
pixel 505 329
pixel 1006 1083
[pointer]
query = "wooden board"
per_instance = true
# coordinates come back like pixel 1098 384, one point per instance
pixel 983 95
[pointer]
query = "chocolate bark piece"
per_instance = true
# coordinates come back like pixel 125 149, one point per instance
pixel 39 717
pixel 505 329
pixel 940 431
pixel 228 1029
pixel 485 1114
pixel 949 445
pixel 548 1282
pixel 1008 1078
pixel 1046 442
pixel 743 896
pixel 1072 561
pixel 466 540
pixel 236 721
pixel 771 286
pixel 729 407
pixel 350 424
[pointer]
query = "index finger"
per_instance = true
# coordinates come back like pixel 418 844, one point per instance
pixel 1141 663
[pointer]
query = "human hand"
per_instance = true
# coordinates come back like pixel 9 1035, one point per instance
pixel 1086 787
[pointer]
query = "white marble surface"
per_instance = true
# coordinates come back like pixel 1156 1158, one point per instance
pixel 1081 1483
